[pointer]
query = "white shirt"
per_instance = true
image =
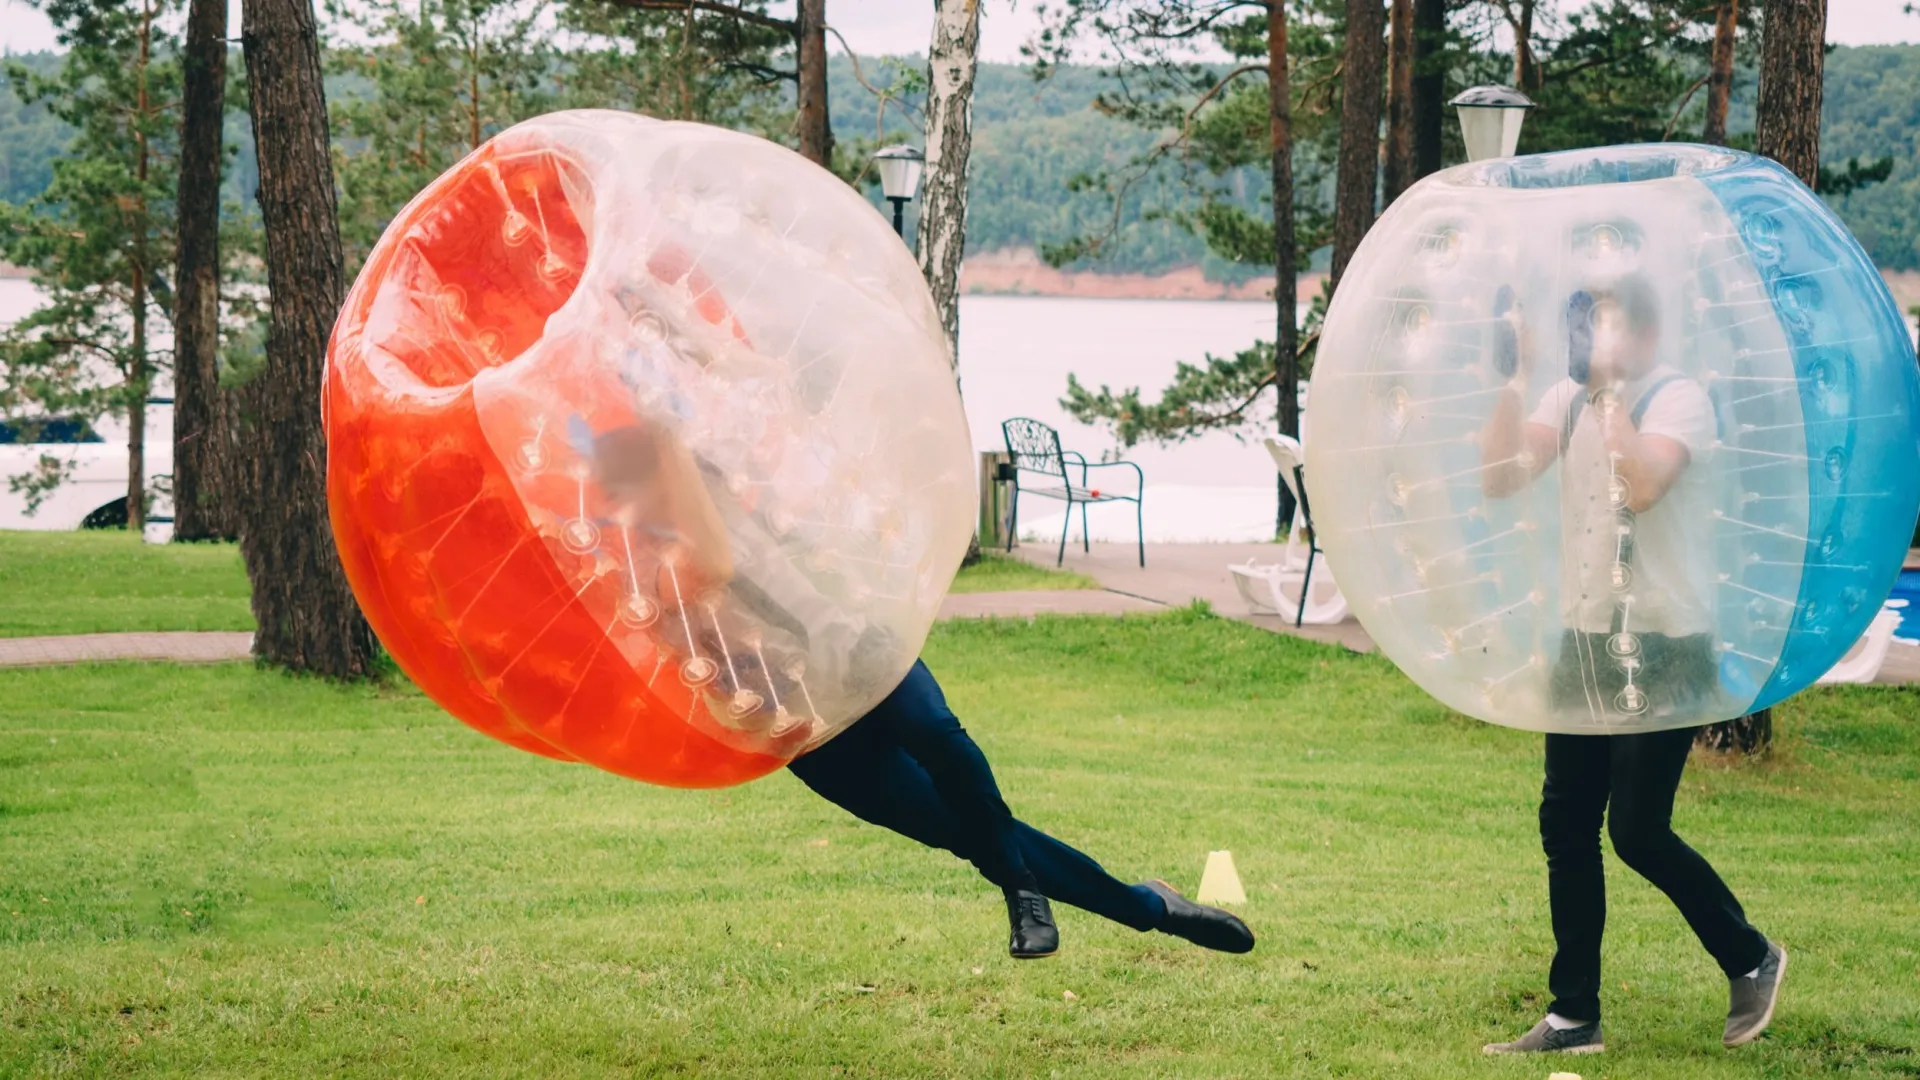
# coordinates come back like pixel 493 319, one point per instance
pixel 1669 573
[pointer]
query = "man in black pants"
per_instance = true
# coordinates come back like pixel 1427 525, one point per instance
pixel 1638 645
pixel 909 766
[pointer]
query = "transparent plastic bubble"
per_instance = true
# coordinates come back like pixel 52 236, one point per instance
pixel 1703 298
pixel 613 369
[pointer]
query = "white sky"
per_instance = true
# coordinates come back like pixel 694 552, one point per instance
pixel 902 26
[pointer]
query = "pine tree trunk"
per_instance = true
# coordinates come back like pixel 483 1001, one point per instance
pixel 1398 175
pixel 1751 735
pixel 1720 73
pixel 816 135
pixel 1526 71
pixel 1354 179
pixel 200 506
pixel 308 620
pixel 1429 105
pixel 138 383
pixel 952 61
pixel 139 375
pixel 1792 40
pixel 1286 339
pixel 1792 53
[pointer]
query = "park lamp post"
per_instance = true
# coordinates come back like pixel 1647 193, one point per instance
pixel 899 179
pixel 1490 119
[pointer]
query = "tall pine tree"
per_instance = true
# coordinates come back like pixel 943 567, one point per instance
pixel 100 238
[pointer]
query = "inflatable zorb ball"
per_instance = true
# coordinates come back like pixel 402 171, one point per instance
pixel 1613 440
pixel 645 448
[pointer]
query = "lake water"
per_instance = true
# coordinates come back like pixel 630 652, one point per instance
pixel 1015 355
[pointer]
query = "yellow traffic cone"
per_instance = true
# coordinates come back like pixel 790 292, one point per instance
pixel 1220 882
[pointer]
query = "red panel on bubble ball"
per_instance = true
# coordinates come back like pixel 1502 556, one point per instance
pixel 454 577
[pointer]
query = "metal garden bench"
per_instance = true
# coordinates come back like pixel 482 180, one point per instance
pixel 1035 448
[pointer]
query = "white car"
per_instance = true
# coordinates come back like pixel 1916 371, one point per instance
pixel 95 493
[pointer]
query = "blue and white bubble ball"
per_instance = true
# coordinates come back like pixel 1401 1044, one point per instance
pixel 1614 440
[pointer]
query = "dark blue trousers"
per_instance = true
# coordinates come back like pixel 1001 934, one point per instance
pixel 909 766
pixel 1631 780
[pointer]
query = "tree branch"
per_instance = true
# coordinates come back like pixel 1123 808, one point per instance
pixel 1160 150
pixel 1673 120
pixel 885 97
pixel 1232 416
pixel 785 26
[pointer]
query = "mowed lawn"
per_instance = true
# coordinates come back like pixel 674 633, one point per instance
pixel 223 872
pixel 999 572
pixel 108 580
pixel 98 581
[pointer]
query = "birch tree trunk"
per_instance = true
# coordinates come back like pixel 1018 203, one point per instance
pixel 953 59
pixel 308 620
pixel 200 502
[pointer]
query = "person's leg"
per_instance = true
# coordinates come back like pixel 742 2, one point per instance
pixel 915 717
pixel 1572 802
pixel 1646 773
pixel 1011 854
pixel 866 771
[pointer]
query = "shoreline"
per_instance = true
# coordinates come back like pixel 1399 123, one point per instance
pixel 1020 272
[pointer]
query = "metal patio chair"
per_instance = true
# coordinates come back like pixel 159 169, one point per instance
pixel 1035 448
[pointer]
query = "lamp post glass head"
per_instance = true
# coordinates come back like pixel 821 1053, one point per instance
pixel 899 171
pixel 899 179
pixel 1490 119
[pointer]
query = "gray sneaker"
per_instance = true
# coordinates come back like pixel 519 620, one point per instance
pixel 1750 1008
pixel 1546 1039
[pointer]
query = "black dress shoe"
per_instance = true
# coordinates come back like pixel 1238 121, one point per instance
pixel 1207 927
pixel 1034 934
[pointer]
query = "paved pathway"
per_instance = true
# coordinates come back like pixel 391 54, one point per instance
pixel 186 646
pixel 205 647
pixel 1177 574
pixel 1044 602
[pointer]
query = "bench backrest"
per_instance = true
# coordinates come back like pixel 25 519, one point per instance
pixel 1034 446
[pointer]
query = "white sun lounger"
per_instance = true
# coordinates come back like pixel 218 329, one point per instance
pixel 1862 662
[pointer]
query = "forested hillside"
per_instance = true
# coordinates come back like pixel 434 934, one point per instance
pixel 1033 138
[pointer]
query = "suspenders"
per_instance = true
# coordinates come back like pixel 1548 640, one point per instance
pixel 1639 409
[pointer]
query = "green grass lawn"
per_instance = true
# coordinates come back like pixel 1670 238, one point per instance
pixel 223 872
pixel 96 581
pixel 996 572
pixel 92 582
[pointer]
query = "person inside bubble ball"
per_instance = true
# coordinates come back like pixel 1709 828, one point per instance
pixel 1626 428
pixel 907 765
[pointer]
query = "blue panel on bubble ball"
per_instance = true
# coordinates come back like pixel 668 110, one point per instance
pixel 1860 397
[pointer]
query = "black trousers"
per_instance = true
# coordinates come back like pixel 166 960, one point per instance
pixel 909 766
pixel 1631 779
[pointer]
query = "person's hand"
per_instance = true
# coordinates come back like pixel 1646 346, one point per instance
pixel 1510 359
pixel 1580 337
